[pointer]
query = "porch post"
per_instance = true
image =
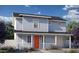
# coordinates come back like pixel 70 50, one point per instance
pixel 43 42
pixel 55 39
pixel 69 41
pixel 31 41
pixel 16 39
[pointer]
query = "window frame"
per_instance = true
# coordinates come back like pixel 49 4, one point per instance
pixel 36 21
pixel 29 38
pixel 49 36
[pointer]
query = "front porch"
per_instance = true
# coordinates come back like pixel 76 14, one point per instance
pixel 43 40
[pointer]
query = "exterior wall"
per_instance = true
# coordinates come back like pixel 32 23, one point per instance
pixel 16 40
pixel 66 41
pixel 60 41
pixel 56 26
pixel 41 42
pixel 63 41
pixel 22 41
pixel 49 41
pixel 18 23
pixel 27 24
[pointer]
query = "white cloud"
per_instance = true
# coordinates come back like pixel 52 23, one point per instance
pixel 71 17
pixel 2 18
pixel 27 5
pixel 71 6
pixel 73 12
pixel 66 7
pixel 74 6
pixel 67 16
pixel 39 12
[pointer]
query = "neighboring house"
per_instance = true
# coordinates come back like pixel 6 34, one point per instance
pixel 40 31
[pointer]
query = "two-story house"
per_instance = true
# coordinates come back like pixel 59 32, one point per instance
pixel 40 31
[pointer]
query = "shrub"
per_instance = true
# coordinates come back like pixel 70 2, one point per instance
pixel 3 48
pixel 3 51
pixel 11 50
pixel 72 51
pixel 25 50
pixel 6 49
pixel 32 49
pixel 54 47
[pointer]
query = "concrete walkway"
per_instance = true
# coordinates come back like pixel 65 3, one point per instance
pixel 52 51
pixel 44 51
pixel 47 51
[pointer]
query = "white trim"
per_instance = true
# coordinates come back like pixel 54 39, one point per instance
pixel 55 39
pixel 12 19
pixel 14 36
pixel 46 34
pixel 22 46
pixel 31 40
pixel 43 42
pixel 69 41
pixel 15 40
pixel 14 22
pixel 34 21
pixel 22 22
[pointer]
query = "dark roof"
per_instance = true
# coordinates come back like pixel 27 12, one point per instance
pixel 41 32
pixel 57 18
pixel 17 14
pixel 52 17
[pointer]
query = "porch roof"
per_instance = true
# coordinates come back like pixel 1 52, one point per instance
pixel 45 33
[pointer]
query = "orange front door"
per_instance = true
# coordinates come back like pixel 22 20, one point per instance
pixel 36 41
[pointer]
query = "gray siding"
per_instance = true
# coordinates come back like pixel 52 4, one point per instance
pixel 62 42
pixel 18 24
pixel 22 41
pixel 49 41
pixel 57 26
pixel 28 24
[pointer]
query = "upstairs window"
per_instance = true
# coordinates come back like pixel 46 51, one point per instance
pixel 36 24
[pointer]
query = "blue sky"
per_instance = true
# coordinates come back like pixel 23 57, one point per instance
pixel 51 10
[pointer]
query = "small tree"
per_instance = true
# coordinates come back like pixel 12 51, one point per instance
pixel 2 31
pixel 76 32
pixel 9 30
pixel 71 25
